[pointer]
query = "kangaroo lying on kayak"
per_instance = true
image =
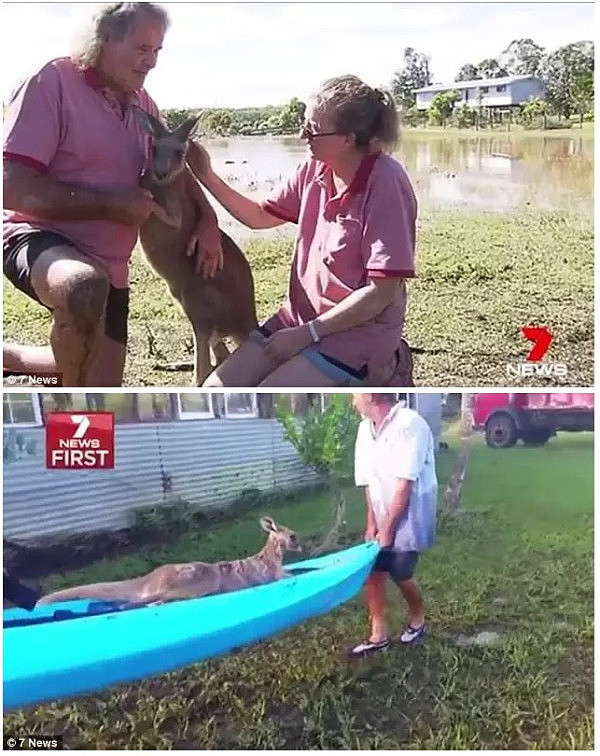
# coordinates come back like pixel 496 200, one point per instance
pixel 193 579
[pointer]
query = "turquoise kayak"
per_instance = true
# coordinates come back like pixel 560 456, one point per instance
pixel 80 647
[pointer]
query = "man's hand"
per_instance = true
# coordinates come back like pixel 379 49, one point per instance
pixel 133 207
pixel 371 534
pixel 287 342
pixel 385 538
pixel 205 243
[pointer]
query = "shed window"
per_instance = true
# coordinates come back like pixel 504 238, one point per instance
pixel 195 406
pixel 241 405
pixel 501 88
pixel 123 406
pixel 21 409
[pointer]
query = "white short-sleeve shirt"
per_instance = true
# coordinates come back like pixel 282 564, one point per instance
pixel 402 448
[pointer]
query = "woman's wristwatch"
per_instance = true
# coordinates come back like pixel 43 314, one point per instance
pixel 313 331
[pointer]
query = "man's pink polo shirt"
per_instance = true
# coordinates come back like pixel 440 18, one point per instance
pixel 61 122
pixel 367 231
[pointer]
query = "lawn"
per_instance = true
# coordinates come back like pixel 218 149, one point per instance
pixel 481 277
pixel 518 562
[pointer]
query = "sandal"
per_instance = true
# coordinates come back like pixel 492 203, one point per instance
pixel 413 634
pixel 368 647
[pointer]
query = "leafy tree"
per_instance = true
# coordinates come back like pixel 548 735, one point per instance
pixel 291 117
pixel 174 118
pixel 464 116
pixel 532 110
pixel 468 72
pixel 522 57
pixel 442 106
pixel 413 75
pixel 566 75
pixel 412 117
pixel 582 93
pixel 325 441
pixel 491 69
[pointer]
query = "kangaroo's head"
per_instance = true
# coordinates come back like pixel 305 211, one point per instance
pixel 282 539
pixel 169 148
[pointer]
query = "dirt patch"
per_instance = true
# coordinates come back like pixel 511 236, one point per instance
pixel 484 636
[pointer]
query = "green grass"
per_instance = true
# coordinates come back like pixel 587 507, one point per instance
pixel 518 561
pixel 481 277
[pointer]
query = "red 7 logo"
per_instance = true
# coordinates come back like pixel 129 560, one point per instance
pixel 542 339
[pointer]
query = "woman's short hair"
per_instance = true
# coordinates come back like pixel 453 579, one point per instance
pixel 113 22
pixel 368 113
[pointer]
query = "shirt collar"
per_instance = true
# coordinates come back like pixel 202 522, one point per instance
pixel 385 422
pixel 92 79
pixel 359 180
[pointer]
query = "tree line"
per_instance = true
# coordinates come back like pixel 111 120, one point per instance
pixel 567 74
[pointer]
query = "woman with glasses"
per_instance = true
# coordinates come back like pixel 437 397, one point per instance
pixel 341 322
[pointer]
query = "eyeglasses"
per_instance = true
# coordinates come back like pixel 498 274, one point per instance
pixel 306 133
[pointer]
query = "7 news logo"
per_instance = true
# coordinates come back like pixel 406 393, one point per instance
pixel 82 441
pixel 541 338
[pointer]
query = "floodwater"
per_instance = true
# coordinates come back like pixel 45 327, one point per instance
pixel 496 172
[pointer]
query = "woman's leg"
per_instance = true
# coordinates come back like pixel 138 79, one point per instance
pixel 247 366
pixel 298 371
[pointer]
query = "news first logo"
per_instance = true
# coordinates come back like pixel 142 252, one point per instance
pixel 534 367
pixel 80 441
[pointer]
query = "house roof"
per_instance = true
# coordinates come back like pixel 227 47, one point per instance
pixel 475 83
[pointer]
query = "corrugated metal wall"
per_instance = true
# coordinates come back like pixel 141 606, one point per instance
pixel 205 462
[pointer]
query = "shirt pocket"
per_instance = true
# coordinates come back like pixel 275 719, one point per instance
pixel 342 263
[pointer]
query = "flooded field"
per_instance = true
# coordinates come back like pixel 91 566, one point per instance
pixel 497 172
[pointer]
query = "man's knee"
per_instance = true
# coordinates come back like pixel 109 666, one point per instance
pixel 86 298
pixel 64 279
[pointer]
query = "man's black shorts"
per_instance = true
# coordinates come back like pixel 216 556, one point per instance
pixel 400 565
pixel 22 250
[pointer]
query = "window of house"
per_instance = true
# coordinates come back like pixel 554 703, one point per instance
pixel 21 409
pixel 300 404
pixel 241 405
pixel 154 407
pixel 485 90
pixel 123 406
pixel 195 406
pixel 127 408
pixel 501 88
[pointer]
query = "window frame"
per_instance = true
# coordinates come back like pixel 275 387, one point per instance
pixel 184 415
pixel 38 421
pixel 240 415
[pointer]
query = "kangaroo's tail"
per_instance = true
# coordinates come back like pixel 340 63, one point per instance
pixel 121 590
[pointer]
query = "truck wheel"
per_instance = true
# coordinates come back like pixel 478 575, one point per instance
pixel 501 431
pixel 536 436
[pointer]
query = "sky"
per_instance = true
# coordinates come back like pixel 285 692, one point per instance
pixel 243 54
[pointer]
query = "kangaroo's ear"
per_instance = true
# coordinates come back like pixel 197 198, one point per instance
pixel 183 132
pixel 268 525
pixel 149 123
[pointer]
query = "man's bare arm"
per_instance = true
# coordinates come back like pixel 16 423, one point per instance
pixel 28 191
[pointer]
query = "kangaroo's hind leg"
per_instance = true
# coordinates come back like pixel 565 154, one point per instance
pixel 220 351
pixel 202 366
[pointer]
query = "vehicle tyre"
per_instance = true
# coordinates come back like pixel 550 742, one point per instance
pixel 501 431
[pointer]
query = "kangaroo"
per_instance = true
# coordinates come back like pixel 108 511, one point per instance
pixel 216 307
pixel 171 582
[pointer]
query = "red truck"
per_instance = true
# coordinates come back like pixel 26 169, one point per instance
pixel 533 418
